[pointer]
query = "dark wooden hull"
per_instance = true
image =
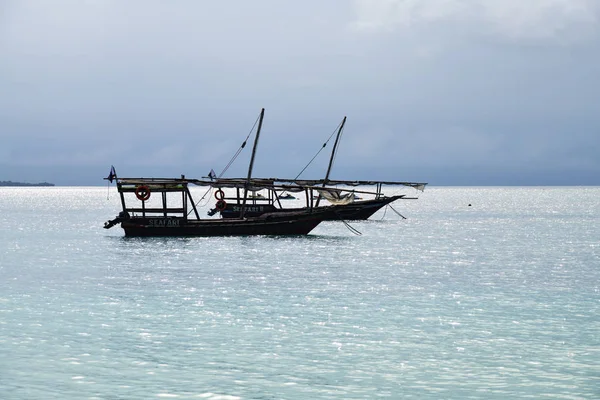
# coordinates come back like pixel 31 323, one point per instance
pixel 288 223
pixel 362 209
pixel 358 210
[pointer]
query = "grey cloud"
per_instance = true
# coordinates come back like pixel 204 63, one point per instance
pixel 508 19
pixel 431 84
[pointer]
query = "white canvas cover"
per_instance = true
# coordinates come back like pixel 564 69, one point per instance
pixel 335 196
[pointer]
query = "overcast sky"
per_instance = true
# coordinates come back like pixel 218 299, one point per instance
pixel 440 91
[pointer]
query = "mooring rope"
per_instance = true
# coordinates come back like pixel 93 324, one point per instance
pixel 384 211
pixel 350 227
pixel 403 217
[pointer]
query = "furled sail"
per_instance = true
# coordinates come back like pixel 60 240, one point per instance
pixel 335 196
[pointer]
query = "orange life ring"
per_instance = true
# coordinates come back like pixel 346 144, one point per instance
pixel 142 192
pixel 219 195
pixel 221 205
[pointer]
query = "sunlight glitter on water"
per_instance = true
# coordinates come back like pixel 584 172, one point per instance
pixel 497 300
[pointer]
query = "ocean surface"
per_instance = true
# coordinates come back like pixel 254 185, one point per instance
pixel 496 300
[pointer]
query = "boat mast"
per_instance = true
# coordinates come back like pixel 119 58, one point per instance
pixel 247 185
pixel 335 145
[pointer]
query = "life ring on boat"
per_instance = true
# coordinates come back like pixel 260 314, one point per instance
pixel 142 192
pixel 221 205
pixel 219 195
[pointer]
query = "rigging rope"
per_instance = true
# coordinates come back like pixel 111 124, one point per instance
pixel 239 150
pixel 321 149
pixel 339 141
pixel 210 188
pixel 318 152
pixel 237 153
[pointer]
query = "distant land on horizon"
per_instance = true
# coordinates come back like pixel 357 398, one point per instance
pixel 94 175
pixel 11 183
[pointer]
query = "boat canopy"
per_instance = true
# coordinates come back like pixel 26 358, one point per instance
pixel 256 184
pixel 320 182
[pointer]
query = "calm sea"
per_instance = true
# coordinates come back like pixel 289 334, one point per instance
pixel 497 300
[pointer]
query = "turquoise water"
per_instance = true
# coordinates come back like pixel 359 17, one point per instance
pixel 497 300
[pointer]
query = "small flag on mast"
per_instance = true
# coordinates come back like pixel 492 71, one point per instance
pixel 212 175
pixel 112 175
